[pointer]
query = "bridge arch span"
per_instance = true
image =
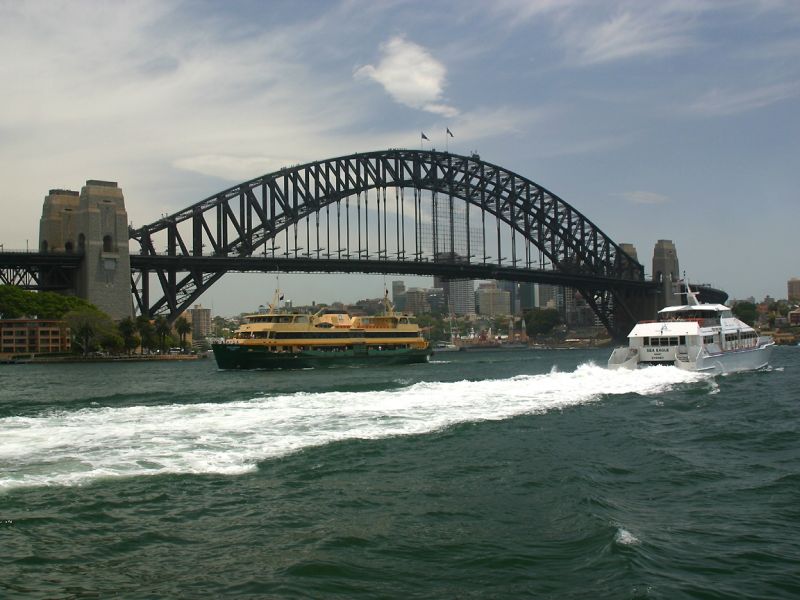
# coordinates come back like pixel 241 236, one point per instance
pixel 397 211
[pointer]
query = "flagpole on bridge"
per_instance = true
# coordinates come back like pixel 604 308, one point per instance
pixel 422 136
pixel 448 134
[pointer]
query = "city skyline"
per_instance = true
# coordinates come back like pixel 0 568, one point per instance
pixel 672 121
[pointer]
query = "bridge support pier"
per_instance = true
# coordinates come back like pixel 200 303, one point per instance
pixel 633 306
pixel 94 224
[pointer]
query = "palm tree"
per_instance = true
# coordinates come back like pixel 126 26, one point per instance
pixel 183 328
pixel 163 329
pixel 127 329
pixel 145 329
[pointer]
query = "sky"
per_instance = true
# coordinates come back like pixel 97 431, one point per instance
pixel 677 119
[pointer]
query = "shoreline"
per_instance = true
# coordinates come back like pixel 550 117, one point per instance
pixel 44 359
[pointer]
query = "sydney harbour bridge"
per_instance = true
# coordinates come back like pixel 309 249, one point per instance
pixel 396 211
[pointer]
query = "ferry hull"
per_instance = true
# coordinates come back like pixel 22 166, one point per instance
pixel 235 356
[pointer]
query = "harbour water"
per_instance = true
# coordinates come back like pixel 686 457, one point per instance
pixel 481 475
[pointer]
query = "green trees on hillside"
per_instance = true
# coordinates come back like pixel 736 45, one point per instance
pixel 746 311
pixel 92 329
pixel 16 303
pixel 541 321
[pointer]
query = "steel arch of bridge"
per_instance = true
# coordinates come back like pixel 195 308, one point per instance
pixel 548 240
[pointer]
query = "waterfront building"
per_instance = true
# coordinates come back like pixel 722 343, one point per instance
pixel 33 336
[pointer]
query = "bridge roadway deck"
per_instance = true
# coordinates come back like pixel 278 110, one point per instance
pixel 218 264
pixel 22 259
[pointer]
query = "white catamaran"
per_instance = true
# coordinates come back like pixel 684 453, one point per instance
pixel 694 337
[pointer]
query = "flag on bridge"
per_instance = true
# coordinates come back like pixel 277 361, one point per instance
pixel 450 133
pixel 424 137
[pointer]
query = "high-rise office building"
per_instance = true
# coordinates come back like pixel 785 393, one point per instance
pixel 511 287
pixel 527 296
pixel 492 301
pixel 399 295
pixel 459 294
pixel 201 321
pixel 547 295
pixel 630 250
pixel 417 301
pixel 793 286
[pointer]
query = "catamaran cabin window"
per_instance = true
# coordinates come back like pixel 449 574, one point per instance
pixel 664 341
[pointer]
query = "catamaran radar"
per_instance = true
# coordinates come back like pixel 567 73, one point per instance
pixel 694 337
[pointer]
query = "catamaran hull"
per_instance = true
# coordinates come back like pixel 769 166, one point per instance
pixel 234 356
pixel 727 362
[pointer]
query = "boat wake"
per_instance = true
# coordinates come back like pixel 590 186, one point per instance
pixel 76 447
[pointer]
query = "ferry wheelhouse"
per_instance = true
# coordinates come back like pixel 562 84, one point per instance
pixel 283 340
pixel 694 337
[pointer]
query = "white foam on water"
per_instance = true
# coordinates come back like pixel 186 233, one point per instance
pixel 71 448
pixel 625 537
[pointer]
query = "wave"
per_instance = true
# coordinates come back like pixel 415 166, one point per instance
pixel 77 447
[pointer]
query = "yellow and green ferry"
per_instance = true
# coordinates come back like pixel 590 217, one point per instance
pixel 285 340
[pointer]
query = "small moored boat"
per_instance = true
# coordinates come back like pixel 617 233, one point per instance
pixel 694 337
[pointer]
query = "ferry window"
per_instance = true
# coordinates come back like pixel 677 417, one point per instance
pixel 683 340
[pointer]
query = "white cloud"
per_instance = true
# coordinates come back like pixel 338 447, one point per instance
pixel 411 76
pixel 232 168
pixel 729 102
pixel 122 92
pixel 625 36
pixel 487 122
pixel 518 11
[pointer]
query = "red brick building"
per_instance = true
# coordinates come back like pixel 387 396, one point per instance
pixel 33 336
